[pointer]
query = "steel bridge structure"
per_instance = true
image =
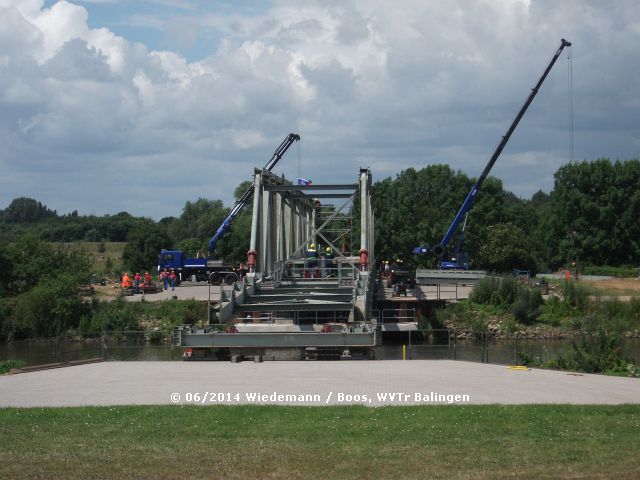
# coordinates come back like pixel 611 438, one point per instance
pixel 287 301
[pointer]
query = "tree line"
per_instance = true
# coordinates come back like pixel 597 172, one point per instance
pixel 590 217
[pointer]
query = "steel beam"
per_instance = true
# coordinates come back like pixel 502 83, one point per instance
pixel 275 340
pixel 321 187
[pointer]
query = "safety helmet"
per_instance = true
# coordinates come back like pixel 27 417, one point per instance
pixel 328 249
pixel 313 245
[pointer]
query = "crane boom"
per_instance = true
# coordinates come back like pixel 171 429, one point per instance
pixel 226 224
pixel 440 249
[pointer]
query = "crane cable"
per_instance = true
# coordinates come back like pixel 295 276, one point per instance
pixel 570 82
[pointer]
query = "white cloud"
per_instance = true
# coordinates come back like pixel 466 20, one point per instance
pixel 378 83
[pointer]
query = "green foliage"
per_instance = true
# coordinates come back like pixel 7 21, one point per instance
pixel 192 246
pixel 506 247
pixel 593 214
pixel 120 315
pixel 464 314
pixel 528 306
pixel 594 354
pixel 6 365
pixel 199 220
pixel 624 272
pixel 234 247
pixel 143 246
pixel 499 291
pixel 576 296
pixel 47 310
pixel 508 293
pixel 26 210
pixel 41 284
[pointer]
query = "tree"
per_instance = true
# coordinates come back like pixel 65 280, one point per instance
pixel 26 210
pixel 40 284
pixel 593 214
pixel 505 248
pixel 143 246
pixel 199 219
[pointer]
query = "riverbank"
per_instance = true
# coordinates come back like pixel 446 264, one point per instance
pixel 239 442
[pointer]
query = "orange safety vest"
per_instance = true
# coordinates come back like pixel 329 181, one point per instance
pixel 126 281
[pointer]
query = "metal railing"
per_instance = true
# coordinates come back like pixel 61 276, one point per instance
pixel 394 315
pixel 452 344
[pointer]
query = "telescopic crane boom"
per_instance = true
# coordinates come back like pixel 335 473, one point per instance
pixel 226 224
pixel 440 249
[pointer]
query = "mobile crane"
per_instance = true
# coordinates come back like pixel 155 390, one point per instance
pixel 460 260
pixel 212 268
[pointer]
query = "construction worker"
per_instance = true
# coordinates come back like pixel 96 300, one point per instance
pixel 328 261
pixel 126 280
pixel 312 261
pixel 136 283
pixel 164 276
pixel 172 279
pixel 147 279
pixel 387 268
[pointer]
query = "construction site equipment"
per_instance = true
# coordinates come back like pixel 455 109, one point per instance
pixel 460 260
pixel 212 268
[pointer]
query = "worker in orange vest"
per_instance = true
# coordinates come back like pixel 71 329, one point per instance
pixel 126 280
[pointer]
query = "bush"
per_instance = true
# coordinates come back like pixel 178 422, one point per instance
pixel 576 296
pixel 6 365
pixel 625 272
pixel 601 353
pixel 528 306
pixel 507 292
pixel 49 309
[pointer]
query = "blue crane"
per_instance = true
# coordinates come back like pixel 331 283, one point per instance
pixel 217 271
pixel 440 250
pixel 240 204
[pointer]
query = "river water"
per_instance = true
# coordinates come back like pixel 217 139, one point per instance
pixel 490 350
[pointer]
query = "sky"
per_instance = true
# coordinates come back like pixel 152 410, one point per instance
pixel 140 106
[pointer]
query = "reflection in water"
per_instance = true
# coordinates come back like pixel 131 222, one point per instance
pixel 499 351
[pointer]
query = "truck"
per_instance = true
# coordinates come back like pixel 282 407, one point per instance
pixel 459 260
pixel 211 268
pixel 400 276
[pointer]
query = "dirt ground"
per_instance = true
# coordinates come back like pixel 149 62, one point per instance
pixel 619 287
pixel 185 291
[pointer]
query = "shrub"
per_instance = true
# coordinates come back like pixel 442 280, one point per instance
pixel 601 353
pixel 610 271
pixel 528 306
pixel 507 292
pixel 576 296
pixel 6 365
pixel 483 291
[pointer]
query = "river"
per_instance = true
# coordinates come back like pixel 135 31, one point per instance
pixel 491 350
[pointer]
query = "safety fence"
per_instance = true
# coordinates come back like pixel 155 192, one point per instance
pixel 485 347
pixel 113 345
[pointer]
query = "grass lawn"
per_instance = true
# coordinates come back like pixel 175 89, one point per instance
pixel 233 442
pixel 112 250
